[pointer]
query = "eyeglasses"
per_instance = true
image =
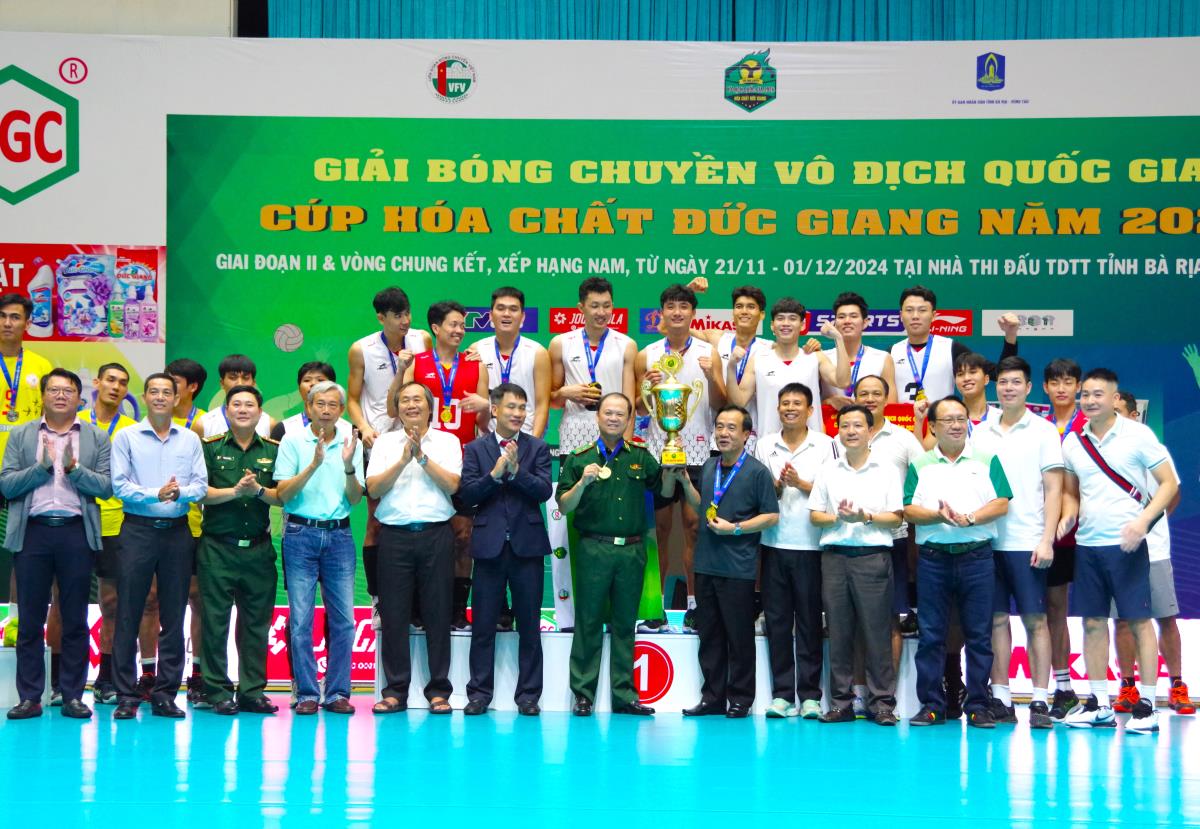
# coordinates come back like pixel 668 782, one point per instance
pixel 952 421
pixel 59 391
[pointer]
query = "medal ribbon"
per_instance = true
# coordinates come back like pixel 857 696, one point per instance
pixel 506 367
pixel 446 381
pixel 14 382
pixel 720 487
pixel 603 450
pixel 1070 423
pixel 858 365
pixel 391 356
pixel 912 362
pixel 740 369
pixel 111 427
pixel 686 346
pixel 593 360
pixel 191 416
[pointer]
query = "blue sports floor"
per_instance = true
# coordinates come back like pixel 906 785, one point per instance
pixel 502 770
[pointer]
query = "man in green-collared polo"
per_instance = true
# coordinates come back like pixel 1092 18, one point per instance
pixel 235 559
pixel 605 484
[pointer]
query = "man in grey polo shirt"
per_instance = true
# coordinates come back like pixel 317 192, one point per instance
pixel 953 494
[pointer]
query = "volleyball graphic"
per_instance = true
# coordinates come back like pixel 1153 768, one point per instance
pixel 288 337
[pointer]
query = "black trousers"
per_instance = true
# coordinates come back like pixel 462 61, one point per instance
pixel 525 575
pixel 725 623
pixel 145 553
pixel 791 588
pixel 420 563
pixel 48 554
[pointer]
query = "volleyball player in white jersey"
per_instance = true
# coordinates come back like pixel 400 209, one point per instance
pixel 234 370
pixel 377 358
pixel 749 309
pixel 511 358
pixel 589 363
pixel 767 372
pixel 924 362
pixel 850 318
pixel 700 362
pixel 308 375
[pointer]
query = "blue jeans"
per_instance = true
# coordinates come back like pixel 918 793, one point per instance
pixel 310 556
pixel 969 580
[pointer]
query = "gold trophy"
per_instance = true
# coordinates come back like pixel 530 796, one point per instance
pixel 667 403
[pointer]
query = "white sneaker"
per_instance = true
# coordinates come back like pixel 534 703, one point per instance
pixel 1091 715
pixel 760 625
pixel 376 624
pixel 1147 723
pixel 779 708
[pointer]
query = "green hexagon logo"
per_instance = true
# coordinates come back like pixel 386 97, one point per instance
pixel 39 135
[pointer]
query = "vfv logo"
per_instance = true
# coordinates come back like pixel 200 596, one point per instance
pixel 39 135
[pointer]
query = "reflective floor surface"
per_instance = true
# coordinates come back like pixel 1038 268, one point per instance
pixel 334 771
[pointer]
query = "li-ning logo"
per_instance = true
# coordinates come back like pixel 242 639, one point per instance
pixel 989 71
pixel 39 135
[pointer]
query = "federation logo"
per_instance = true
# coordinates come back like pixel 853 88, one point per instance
pixel 452 79
pixel 750 83
pixel 989 72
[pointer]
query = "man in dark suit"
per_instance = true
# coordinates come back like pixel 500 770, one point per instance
pixel 506 478
pixel 54 470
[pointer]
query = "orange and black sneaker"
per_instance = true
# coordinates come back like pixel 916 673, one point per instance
pixel 1180 702
pixel 1125 700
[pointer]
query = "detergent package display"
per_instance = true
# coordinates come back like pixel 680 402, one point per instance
pixel 85 282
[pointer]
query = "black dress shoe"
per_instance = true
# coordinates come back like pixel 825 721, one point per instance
pixel 528 708
pixel 76 710
pixel 257 705
pixel 738 710
pixel 583 707
pixel 226 707
pixel 167 708
pixel 25 709
pixel 635 708
pixel 705 709
pixel 126 710
pixel 475 707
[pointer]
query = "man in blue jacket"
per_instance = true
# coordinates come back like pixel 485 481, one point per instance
pixel 506 479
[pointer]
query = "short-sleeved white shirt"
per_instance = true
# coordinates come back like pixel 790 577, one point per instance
pixel 1133 451
pixel 414 497
pixel 875 488
pixel 795 530
pixel 1027 450
pixel 967 484
pixel 895 446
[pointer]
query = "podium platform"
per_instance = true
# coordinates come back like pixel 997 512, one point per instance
pixel 666 673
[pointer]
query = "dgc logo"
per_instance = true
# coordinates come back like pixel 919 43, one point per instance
pixel 39 135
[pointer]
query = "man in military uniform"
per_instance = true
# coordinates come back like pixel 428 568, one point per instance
pixel 605 484
pixel 236 560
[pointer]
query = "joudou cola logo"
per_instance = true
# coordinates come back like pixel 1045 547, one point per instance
pixel 39 135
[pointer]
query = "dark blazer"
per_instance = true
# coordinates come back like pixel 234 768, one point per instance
pixel 22 474
pixel 512 507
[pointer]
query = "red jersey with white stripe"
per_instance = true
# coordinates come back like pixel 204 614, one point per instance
pixel 461 424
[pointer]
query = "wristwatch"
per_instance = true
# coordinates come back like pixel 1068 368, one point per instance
pixel 349 471
pixel 867 519
pixel 737 528
pixel 970 519
pixel 421 461
pixel 261 490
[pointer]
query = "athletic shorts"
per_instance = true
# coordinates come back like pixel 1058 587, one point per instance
pixel 1108 576
pixel 1062 569
pixel 1017 584
pixel 693 473
pixel 106 559
pixel 1163 603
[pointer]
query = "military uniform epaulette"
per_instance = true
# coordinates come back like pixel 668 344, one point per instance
pixel 638 442
pixel 214 438
pixel 271 441
pixel 584 448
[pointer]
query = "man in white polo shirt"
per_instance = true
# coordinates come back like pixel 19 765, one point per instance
pixel 791 558
pixel 1109 463
pixel 954 494
pixel 857 502
pixel 1029 449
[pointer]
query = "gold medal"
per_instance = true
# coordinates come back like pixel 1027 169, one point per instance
pixel 920 395
pixel 604 474
pixel 711 512
pixel 446 416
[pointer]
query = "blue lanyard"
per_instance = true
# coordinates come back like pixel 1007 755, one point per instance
pixel 719 487
pixel 227 424
pixel 1070 424
pixel 593 360
pixel 971 427
pixel 858 365
pixel 304 418
pixel 447 384
pixel 191 416
pixel 686 346
pixel 603 450
pixel 111 427
pixel 506 368
pixel 13 380
pixel 912 362
pixel 740 370
pixel 388 349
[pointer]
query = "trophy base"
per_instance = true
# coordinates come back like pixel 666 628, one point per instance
pixel 673 457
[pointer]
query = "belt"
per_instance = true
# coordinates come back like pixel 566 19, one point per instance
pixel 238 541
pixel 957 549
pixel 856 549
pixel 617 540
pixel 330 524
pixel 416 527
pixel 156 523
pixel 55 520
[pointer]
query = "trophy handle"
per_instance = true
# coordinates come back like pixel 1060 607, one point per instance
pixel 646 399
pixel 694 403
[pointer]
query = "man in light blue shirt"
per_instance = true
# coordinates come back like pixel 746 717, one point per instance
pixel 158 470
pixel 320 477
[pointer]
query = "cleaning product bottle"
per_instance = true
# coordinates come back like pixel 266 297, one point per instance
pixel 116 315
pixel 148 314
pixel 133 321
pixel 41 290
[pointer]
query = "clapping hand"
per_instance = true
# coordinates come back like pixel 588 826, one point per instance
pixel 319 452
pixel 950 516
pixel 47 461
pixel 68 458
pixel 348 447
pixel 169 491
pixel 247 487
pixel 850 513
